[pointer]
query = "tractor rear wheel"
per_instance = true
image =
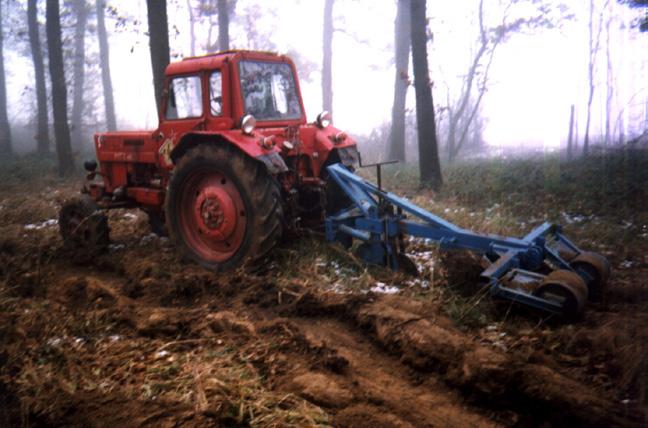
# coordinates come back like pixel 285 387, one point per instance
pixel 83 225
pixel 222 208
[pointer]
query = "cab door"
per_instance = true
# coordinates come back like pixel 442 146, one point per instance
pixel 182 111
pixel 219 116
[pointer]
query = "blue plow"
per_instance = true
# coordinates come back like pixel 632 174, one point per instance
pixel 543 270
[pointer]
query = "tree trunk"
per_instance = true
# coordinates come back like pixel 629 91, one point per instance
pixel 402 39
pixel 594 44
pixel 79 70
pixel 223 25
pixel 5 131
pixel 106 80
pixel 570 139
pixel 192 29
pixel 59 90
pixel 430 169
pixel 42 133
pixel 327 71
pixel 609 83
pixel 159 43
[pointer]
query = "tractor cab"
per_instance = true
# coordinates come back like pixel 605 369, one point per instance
pixel 217 92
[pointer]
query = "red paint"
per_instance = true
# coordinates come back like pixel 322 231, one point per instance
pixel 140 162
pixel 212 216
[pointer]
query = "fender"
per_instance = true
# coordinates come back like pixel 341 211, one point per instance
pixel 251 145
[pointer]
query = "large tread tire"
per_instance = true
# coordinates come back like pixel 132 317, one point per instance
pixel 259 193
pixel 83 226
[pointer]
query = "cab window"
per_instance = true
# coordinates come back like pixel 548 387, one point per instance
pixel 185 98
pixel 269 90
pixel 216 93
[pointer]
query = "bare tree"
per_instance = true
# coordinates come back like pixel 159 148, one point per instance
pixel 223 25
pixel 430 168
pixel 42 133
pixel 81 12
pixel 159 43
pixel 59 90
pixel 104 58
pixel 402 41
pixel 5 131
pixel 219 14
pixel 192 29
pixel 463 112
pixel 594 47
pixel 609 81
pixel 327 58
pixel 570 138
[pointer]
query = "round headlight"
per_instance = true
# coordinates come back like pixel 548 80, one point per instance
pixel 248 123
pixel 324 119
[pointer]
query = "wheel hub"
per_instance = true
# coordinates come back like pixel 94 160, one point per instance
pixel 215 213
pixel 212 213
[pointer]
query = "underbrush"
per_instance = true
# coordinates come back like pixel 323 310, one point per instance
pixel 613 183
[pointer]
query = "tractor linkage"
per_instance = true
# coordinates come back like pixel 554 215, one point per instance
pixel 543 270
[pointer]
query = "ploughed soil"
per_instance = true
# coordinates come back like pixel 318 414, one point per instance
pixel 308 337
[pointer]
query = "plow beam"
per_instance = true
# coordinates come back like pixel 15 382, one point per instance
pixel 543 269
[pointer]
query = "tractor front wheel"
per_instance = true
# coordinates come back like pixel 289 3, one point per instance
pixel 83 226
pixel 222 208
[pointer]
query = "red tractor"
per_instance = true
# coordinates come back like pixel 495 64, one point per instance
pixel 232 164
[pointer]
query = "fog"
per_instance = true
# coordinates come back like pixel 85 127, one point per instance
pixel 534 77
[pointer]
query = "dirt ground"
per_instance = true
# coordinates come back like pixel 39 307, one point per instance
pixel 310 337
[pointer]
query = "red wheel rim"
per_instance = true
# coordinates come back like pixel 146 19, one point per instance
pixel 212 215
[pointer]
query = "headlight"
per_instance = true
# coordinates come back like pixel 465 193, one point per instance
pixel 248 123
pixel 323 119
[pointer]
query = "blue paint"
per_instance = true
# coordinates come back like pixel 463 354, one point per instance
pixel 380 220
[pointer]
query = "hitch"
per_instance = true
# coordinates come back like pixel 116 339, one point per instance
pixel 543 270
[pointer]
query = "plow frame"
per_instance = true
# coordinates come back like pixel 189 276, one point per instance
pixel 380 220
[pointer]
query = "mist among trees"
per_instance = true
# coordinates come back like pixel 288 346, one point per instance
pixel 64 77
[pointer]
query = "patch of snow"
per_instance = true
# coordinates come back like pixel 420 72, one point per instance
pixel 161 354
pixel 38 226
pixel 627 264
pixel 115 247
pixel 130 216
pixel 417 282
pixel 54 341
pixel 383 288
pixel 114 338
pixel 574 218
pixel 149 238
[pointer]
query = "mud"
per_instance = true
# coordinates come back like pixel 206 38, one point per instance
pixel 136 337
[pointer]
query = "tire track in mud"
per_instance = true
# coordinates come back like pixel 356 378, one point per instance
pixel 326 360
pixel 368 361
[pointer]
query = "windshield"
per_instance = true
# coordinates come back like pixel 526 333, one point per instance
pixel 269 91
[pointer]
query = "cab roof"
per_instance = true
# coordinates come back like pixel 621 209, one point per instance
pixel 211 61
